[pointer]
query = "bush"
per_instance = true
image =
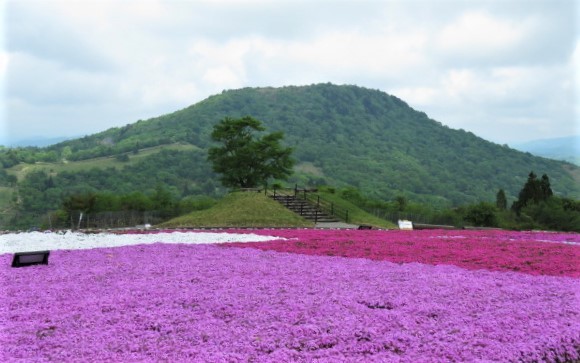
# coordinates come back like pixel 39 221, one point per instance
pixel 552 214
pixel 482 214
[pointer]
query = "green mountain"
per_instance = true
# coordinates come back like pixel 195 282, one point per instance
pixel 342 135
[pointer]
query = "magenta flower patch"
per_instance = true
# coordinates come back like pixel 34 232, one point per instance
pixel 534 253
pixel 205 303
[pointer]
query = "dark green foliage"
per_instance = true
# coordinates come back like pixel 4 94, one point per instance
pixel 533 192
pixel 13 156
pixel 6 179
pixel 143 186
pixel 545 189
pixel 164 201
pixel 401 203
pixel 135 201
pixel 570 205
pixel 80 202
pixel 553 214
pixel 482 215
pixel 246 160
pixel 537 207
pixel 107 209
pixel 500 200
pixel 402 208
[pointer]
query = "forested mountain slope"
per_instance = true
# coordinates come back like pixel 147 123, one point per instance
pixel 342 135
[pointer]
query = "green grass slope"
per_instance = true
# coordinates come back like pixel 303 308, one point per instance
pixel 355 214
pixel 241 209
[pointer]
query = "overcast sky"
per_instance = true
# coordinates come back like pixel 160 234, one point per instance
pixel 505 70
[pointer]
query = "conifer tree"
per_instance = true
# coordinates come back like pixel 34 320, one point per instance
pixel 500 200
pixel 533 192
pixel 546 190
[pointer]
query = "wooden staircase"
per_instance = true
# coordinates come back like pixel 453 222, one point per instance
pixel 304 208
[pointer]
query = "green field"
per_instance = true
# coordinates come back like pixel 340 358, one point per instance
pixel 21 170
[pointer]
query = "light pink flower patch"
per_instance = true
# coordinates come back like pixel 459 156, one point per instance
pixel 206 303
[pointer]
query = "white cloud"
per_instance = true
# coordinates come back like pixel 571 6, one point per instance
pixel 469 64
pixel 574 85
pixel 381 52
pixel 3 65
pixel 478 34
pixel 44 81
pixel 418 96
pixel 222 77
pixel 3 71
pixel 501 104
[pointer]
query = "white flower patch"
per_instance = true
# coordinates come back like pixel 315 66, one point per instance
pixel 35 241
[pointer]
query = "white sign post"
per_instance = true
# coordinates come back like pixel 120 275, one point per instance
pixel 405 225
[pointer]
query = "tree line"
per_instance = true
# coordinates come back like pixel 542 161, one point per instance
pixel 535 208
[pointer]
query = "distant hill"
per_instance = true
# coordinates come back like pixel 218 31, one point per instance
pixel 38 142
pixel 342 136
pixel 562 148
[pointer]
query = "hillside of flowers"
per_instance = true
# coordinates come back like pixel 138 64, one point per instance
pixel 315 296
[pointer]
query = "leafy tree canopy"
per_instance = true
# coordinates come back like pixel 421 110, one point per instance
pixel 245 159
pixel 482 214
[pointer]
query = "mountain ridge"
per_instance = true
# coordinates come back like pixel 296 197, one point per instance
pixel 347 136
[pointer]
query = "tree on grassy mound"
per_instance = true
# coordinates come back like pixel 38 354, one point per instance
pixel 246 159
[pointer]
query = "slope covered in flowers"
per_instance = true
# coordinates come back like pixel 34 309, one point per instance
pixel 536 253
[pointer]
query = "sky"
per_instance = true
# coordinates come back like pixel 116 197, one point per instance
pixel 506 70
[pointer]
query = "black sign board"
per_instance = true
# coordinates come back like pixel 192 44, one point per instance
pixel 22 259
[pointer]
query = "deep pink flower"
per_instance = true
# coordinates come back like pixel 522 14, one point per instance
pixel 535 253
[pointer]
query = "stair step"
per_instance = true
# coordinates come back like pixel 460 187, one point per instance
pixel 303 208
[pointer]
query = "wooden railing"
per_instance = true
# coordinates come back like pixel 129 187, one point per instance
pixel 328 207
pixel 309 196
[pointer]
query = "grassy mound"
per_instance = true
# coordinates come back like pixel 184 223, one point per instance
pixel 241 209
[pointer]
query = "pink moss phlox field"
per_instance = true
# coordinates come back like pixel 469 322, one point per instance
pixel 205 303
pixel 535 253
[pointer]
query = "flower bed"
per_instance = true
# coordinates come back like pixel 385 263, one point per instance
pixel 536 253
pixel 207 303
